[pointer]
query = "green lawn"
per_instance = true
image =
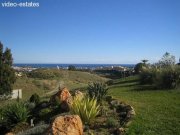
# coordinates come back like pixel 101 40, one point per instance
pixel 157 111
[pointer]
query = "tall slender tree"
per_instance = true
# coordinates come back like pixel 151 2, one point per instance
pixel 1 66
pixel 7 75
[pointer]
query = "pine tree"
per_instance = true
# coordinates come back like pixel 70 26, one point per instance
pixel 7 75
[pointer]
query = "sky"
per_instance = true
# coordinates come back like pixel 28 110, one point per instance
pixel 91 31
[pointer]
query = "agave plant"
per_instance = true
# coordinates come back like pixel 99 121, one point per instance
pixel 16 113
pixel 86 108
pixel 97 90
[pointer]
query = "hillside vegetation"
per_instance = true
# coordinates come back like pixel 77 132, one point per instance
pixel 42 81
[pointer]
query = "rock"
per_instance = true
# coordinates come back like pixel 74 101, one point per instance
pixel 114 103
pixel 65 106
pixel 122 114
pixel 63 99
pixel 131 113
pixel 61 95
pixel 121 108
pixel 120 131
pixel 10 133
pixel 79 94
pixel 64 94
pixel 66 125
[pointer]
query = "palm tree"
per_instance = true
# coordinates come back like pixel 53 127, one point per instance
pixel 144 61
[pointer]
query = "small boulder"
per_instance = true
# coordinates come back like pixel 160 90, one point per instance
pixel 120 131
pixel 114 103
pixel 131 113
pixel 10 133
pixel 61 95
pixel 79 94
pixel 66 125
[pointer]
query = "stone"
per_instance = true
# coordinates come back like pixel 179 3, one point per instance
pixel 10 133
pixel 64 94
pixel 79 94
pixel 65 106
pixel 120 131
pixel 131 113
pixel 66 125
pixel 114 103
pixel 61 95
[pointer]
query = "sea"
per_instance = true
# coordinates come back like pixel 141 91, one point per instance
pixel 78 66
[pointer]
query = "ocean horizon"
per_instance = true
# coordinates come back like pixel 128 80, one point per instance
pixel 44 65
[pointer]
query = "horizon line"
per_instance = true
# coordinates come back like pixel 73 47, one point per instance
pixel 81 63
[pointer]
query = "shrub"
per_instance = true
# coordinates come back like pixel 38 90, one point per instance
pixel 147 76
pixel 30 105
pixel 110 82
pixel 1 115
pixel 16 113
pixel 138 68
pixel 86 108
pixel 163 78
pixel 35 99
pixel 98 91
pixel 71 67
pixel 22 126
pixel 111 122
pixel 168 78
pixel 41 74
pixel 37 130
pixel 44 112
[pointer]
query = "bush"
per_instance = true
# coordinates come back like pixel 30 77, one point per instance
pixel 16 113
pixel 162 78
pixel 35 99
pixel 71 67
pixel 169 78
pixel 98 91
pixel 44 112
pixel 41 74
pixel 20 127
pixel 111 122
pixel 86 108
pixel 1 115
pixel 37 130
pixel 110 82
pixel 148 76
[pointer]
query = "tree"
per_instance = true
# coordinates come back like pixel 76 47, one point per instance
pixel 138 68
pixel 179 62
pixel 7 75
pixel 1 66
pixel 167 60
pixel 71 67
pixel 144 61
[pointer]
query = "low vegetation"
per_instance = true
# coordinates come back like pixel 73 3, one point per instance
pixel 161 78
pixel 97 90
pixel 105 109
pixel 86 108
pixel 15 113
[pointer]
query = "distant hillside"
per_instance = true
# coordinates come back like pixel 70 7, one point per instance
pixel 43 81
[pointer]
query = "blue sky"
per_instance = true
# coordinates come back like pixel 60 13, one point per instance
pixel 92 31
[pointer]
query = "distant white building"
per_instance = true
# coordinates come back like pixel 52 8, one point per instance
pixel 16 93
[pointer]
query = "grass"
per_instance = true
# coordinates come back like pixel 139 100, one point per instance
pixel 71 79
pixel 157 111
